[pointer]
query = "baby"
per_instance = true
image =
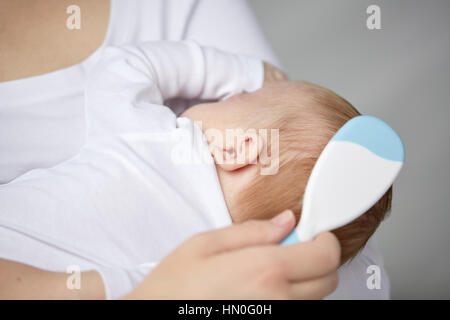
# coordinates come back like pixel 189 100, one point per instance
pixel 146 180
pixel 307 116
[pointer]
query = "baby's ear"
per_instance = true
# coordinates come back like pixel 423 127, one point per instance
pixel 240 152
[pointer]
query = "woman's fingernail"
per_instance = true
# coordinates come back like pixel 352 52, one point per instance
pixel 283 217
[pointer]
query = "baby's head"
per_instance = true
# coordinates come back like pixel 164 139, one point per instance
pixel 305 117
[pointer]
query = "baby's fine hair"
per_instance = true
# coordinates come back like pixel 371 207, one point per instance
pixel 307 117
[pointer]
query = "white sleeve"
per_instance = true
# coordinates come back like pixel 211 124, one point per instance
pixel 118 282
pixel 186 70
pixel 21 245
pixel 128 86
pixel 229 25
pixel 355 275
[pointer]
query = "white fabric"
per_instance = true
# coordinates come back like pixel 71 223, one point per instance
pixel 42 120
pixel 354 274
pixel 42 117
pixel 144 181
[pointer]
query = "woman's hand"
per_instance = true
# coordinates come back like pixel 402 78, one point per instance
pixel 271 73
pixel 239 262
pixel 244 261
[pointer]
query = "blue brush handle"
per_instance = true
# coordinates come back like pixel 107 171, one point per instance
pixel 292 238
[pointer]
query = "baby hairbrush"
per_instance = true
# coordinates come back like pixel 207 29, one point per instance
pixel 352 173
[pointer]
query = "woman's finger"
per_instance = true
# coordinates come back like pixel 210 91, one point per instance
pixel 323 254
pixel 250 233
pixel 315 288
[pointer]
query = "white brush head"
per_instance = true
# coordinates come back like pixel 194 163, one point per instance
pixel 353 172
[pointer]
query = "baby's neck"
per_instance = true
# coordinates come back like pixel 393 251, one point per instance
pixel 232 184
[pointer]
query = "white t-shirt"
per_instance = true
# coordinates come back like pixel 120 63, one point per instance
pixel 42 120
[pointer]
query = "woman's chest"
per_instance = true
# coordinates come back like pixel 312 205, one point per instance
pixel 38 37
pixel 39 134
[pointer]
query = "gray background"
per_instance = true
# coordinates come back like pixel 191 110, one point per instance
pixel 400 73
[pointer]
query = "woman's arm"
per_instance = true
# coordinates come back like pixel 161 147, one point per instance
pixel 265 270
pixel 20 281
